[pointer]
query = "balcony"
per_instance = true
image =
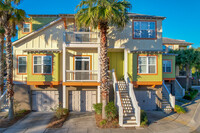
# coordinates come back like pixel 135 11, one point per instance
pixel 81 75
pixel 82 37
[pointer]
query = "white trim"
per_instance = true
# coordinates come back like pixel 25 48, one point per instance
pixel 125 64
pixel 147 64
pixel 64 96
pixel 99 94
pixel 22 64
pixel 42 63
pixel 27 27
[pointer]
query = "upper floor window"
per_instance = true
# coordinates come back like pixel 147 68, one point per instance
pixel 170 47
pixel 144 29
pixel 26 27
pixel 42 64
pixel 22 64
pixel 147 64
pixel 164 48
pixel 167 66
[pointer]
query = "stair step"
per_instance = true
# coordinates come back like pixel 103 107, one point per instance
pixel 129 114
pixel 129 118
pixel 129 121
pixel 129 125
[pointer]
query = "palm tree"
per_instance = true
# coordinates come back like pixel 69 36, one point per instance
pixel 102 14
pixel 2 31
pixel 10 16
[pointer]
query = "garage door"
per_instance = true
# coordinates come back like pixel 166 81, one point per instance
pixel 82 100
pixel 146 99
pixel 44 100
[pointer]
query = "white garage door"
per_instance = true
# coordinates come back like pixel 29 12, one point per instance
pixel 146 99
pixel 44 100
pixel 82 100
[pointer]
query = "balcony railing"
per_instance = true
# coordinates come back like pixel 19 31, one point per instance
pixel 82 37
pixel 82 75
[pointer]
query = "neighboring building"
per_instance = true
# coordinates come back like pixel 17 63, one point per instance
pixel 174 44
pixel 54 63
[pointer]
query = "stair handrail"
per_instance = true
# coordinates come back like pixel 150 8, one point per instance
pixel 3 100
pixel 117 99
pixel 134 101
pixel 169 96
pixel 179 88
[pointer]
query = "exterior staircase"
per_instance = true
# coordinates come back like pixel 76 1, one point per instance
pixel 166 107
pixel 129 119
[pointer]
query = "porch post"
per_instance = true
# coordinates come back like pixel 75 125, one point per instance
pixel 64 70
pixel 99 76
pixel 125 64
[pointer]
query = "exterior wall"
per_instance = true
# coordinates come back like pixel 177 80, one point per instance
pixel 37 22
pixel 55 76
pixel 133 69
pixel 125 39
pixel 117 62
pixel 90 52
pixel 51 38
pixel 171 75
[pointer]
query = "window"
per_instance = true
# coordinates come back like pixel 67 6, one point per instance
pixel 26 27
pixel 22 64
pixel 167 66
pixel 82 67
pixel 170 47
pixel 144 29
pixel 42 64
pixel 164 48
pixel 147 64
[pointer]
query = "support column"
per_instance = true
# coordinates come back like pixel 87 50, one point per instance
pixel 99 77
pixel 125 64
pixel 64 70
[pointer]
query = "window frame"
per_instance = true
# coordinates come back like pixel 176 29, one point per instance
pixel 133 30
pixel 147 65
pixel 90 60
pixel 165 65
pixel 30 27
pixel 18 73
pixel 42 64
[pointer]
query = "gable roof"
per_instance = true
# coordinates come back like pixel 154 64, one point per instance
pixel 175 42
pixel 37 31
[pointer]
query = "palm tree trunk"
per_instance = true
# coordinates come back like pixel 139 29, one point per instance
pixel 9 66
pixel 1 63
pixel 104 66
pixel 187 77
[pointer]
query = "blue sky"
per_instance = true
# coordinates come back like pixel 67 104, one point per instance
pixel 182 21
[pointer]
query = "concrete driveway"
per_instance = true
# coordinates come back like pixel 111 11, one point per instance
pixel 35 122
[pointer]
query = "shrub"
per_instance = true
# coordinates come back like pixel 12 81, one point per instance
pixel 103 122
pixel 190 94
pixel 179 109
pixel 98 108
pixel 111 111
pixel 60 112
pixel 144 119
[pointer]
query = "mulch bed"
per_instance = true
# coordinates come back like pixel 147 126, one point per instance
pixel 109 124
pixel 56 122
pixel 5 122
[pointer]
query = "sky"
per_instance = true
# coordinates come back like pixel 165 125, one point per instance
pixel 182 16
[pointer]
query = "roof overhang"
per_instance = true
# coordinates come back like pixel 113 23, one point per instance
pixel 147 51
pixel 42 50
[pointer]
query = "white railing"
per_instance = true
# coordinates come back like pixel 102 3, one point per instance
pixel 170 98
pixel 179 89
pixel 82 37
pixel 3 100
pixel 81 75
pixel 117 98
pixel 134 101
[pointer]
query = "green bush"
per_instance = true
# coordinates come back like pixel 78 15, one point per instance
pixel 111 111
pixel 103 122
pixel 98 108
pixel 190 94
pixel 179 109
pixel 144 119
pixel 60 112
